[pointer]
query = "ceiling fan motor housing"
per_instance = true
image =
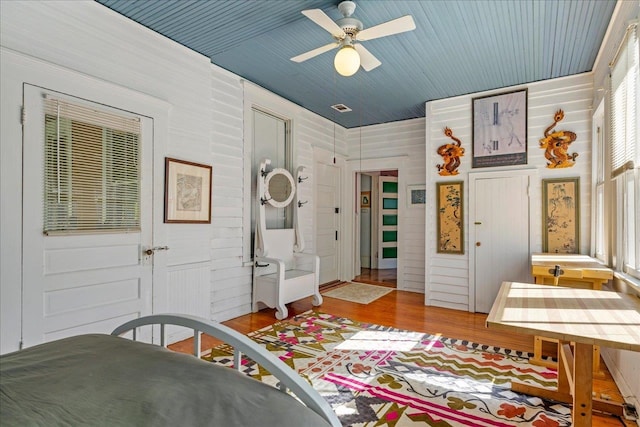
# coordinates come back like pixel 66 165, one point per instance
pixel 350 26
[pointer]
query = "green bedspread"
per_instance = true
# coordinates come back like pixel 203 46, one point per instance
pixel 102 380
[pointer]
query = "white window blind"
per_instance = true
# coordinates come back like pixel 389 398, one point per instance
pixel 625 153
pixel 92 169
pixel 625 71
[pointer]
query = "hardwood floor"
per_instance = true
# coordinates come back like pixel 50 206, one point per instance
pixel 385 277
pixel 406 310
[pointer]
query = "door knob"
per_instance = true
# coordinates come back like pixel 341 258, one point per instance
pixel 150 251
pixel 478 243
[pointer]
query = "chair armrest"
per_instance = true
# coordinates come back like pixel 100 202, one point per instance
pixel 280 267
pixel 264 259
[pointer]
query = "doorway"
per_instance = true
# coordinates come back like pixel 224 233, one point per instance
pixel 378 227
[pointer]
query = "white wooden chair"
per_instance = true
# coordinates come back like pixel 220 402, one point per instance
pixel 282 273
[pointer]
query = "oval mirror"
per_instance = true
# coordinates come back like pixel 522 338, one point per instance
pixel 280 188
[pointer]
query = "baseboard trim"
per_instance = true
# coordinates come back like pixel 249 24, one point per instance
pixel 620 380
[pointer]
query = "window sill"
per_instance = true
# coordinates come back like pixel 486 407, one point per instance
pixel 631 282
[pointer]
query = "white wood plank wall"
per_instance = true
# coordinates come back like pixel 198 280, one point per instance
pixel 447 276
pixel 404 138
pixel 67 34
pixel 230 279
pixel 187 284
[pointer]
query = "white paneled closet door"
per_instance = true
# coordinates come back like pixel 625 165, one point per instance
pixel 76 283
pixel 500 234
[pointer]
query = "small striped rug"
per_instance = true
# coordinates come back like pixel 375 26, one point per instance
pixel 358 292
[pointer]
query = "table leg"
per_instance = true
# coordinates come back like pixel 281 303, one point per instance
pixel 565 368
pixel 575 384
pixel 583 384
pixel 596 362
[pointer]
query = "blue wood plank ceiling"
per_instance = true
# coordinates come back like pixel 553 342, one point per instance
pixel 458 47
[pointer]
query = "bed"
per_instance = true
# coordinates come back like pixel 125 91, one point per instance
pixel 101 379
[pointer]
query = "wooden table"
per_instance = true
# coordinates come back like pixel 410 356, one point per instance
pixel 575 270
pixel 583 316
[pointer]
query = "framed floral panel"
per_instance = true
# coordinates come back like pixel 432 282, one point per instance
pixel 449 212
pixel 500 129
pixel 561 215
pixel 187 192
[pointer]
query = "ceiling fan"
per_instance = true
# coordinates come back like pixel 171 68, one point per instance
pixel 348 33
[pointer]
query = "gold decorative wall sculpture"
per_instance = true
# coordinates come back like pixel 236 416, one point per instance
pixel 451 154
pixel 556 144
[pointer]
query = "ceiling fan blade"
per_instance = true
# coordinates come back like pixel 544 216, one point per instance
pixel 388 28
pixel 367 60
pixel 321 18
pixel 315 52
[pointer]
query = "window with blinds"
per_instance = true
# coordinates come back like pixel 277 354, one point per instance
pixel 91 169
pixel 624 151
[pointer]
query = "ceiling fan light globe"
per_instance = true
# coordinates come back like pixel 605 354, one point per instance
pixel 347 61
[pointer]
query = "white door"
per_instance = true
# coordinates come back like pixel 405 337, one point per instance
pixel 387 222
pixel 80 283
pixel 328 220
pixel 500 221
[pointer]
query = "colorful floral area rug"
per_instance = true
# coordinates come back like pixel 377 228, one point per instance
pixel 380 376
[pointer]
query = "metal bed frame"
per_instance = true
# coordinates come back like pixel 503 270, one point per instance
pixel 289 379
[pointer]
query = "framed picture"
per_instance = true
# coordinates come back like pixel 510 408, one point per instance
pixel 500 129
pixel 416 195
pixel 365 199
pixel 561 215
pixel 450 217
pixel 187 192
